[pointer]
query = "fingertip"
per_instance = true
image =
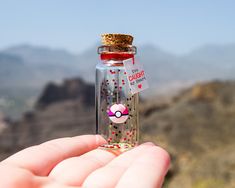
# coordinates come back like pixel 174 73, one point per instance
pixel 161 154
pixel 100 140
pixel 166 156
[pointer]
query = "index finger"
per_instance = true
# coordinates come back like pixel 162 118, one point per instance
pixel 41 159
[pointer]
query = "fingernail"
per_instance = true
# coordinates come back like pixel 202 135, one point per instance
pixel 100 139
pixel 148 144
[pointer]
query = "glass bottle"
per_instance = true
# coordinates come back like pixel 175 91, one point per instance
pixel 117 118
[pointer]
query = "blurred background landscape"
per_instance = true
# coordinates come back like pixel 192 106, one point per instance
pixel 48 53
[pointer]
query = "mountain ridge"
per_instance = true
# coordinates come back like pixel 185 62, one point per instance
pixel 166 72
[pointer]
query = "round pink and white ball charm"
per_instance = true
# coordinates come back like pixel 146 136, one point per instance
pixel 118 113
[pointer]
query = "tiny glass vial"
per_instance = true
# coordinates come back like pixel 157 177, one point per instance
pixel 117 118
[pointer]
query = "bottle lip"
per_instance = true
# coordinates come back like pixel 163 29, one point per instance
pixel 129 49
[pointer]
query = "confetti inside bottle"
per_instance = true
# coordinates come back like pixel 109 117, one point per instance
pixel 117 118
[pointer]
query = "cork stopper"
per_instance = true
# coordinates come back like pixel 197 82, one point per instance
pixel 116 39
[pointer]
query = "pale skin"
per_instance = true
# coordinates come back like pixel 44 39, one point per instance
pixel 77 162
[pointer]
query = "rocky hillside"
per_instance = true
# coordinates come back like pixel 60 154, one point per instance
pixel 62 110
pixel 72 89
pixel 196 127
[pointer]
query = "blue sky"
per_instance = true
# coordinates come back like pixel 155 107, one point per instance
pixel 177 26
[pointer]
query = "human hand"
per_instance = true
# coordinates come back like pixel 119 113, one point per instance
pixel 76 162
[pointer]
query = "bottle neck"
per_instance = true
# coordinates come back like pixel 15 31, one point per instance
pixel 116 56
pixel 115 59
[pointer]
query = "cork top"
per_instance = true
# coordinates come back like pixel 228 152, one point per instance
pixel 112 39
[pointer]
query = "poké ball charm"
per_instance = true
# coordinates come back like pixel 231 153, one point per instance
pixel 118 113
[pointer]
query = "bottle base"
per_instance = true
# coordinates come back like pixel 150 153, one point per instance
pixel 122 147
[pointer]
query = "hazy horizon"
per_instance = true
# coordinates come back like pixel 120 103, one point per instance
pixel 96 44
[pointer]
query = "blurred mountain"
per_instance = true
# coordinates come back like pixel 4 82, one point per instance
pixel 45 64
pixel 213 61
pixel 12 70
pixel 27 68
pixel 36 55
pixel 87 62
pixel 42 64
pixel 215 53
